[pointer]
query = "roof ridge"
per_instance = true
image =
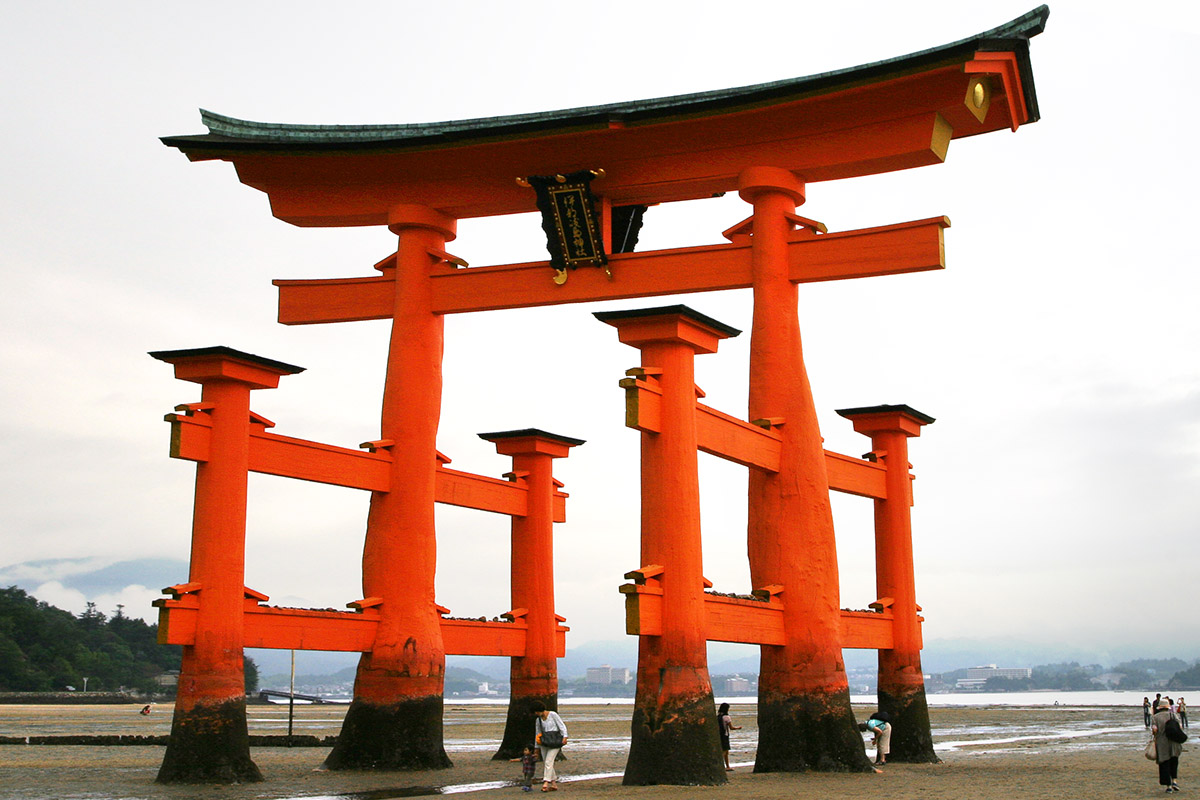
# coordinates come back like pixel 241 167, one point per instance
pixel 1020 29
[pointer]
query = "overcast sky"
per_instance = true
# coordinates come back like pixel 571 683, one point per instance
pixel 1056 493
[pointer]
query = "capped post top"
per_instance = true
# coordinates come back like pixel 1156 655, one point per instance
pixel 899 418
pixel 202 364
pixel 531 441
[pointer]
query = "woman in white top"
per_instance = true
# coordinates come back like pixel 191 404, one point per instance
pixel 548 724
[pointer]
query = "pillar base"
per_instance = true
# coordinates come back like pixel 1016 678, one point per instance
pixel 912 738
pixel 675 742
pixel 814 731
pixel 209 744
pixel 406 735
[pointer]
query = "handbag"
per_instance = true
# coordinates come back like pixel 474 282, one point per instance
pixel 1151 750
pixel 552 739
pixel 1174 731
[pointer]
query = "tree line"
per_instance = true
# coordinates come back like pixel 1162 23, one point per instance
pixel 47 649
pixel 1138 675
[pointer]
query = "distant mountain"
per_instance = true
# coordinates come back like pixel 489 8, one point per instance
pixel 93 577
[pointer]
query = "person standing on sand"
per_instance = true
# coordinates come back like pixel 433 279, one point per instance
pixel 528 761
pixel 726 725
pixel 551 735
pixel 1146 711
pixel 1168 751
pixel 1182 711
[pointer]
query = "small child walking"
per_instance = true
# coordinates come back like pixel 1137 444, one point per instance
pixel 528 761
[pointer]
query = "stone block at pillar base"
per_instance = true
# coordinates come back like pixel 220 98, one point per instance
pixel 406 735
pixel 209 744
pixel 814 731
pixel 519 730
pixel 675 742
pixel 912 738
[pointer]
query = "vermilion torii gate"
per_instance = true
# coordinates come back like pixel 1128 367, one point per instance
pixel 214 615
pixel 768 143
pixel 674 740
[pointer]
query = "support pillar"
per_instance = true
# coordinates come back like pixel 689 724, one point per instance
pixel 674 732
pixel 534 676
pixel 901 681
pixel 804 715
pixel 395 718
pixel 209 742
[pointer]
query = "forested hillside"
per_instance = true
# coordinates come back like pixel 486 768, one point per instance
pixel 43 648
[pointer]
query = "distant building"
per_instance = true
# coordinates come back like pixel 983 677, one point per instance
pixel 978 676
pixel 606 675
pixel 736 685
pixel 168 679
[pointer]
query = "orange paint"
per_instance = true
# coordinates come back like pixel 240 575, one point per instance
pixel 886 250
pixel 804 701
pixel 532 561
pixel 211 678
pixel 901 681
pixel 400 552
pixel 533 674
pixel 791 538
pixel 674 692
pixel 864 127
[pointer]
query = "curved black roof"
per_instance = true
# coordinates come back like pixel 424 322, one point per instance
pixel 231 134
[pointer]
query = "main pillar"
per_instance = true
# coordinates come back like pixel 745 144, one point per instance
pixel 901 682
pixel 533 677
pixel 804 715
pixel 674 733
pixel 209 742
pixel 395 719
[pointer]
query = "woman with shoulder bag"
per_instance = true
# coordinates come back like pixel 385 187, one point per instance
pixel 551 735
pixel 1168 751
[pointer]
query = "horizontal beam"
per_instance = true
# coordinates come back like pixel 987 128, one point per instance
pixel 892 249
pixel 734 440
pixel 856 476
pixel 867 630
pixel 272 454
pixel 345 631
pixel 744 621
pixel 745 443
pixel 732 619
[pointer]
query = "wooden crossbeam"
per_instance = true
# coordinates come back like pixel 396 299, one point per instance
pixel 734 440
pixel 272 454
pixel 347 631
pixel 745 443
pixel 744 621
pixel 891 249
pixel 856 476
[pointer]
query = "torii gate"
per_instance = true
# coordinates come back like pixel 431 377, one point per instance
pixel 667 606
pixel 767 142
pixel 214 615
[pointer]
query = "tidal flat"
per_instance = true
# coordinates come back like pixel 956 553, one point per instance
pixel 990 752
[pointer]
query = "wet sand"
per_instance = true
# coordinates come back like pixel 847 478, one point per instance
pixel 993 753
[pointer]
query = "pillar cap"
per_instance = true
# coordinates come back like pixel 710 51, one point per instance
pixel 877 419
pixel 757 180
pixel 530 441
pixel 639 326
pixel 202 364
pixel 411 215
